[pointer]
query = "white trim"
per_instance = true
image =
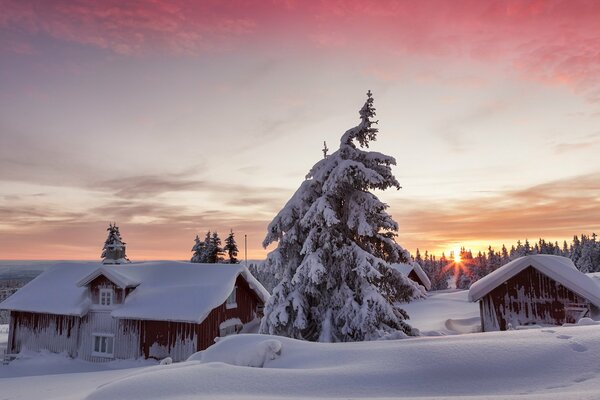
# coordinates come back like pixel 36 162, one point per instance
pixel 112 344
pixel 111 297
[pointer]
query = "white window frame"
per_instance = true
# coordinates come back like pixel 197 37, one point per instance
pixel 110 295
pixel 109 342
pixel 231 301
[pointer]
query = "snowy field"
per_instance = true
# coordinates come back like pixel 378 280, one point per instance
pixel 548 363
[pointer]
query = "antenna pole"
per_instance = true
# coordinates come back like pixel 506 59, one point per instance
pixel 246 249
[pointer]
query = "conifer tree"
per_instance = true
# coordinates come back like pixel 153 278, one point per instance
pixel 216 251
pixel 335 244
pixel 113 251
pixel 199 250
pixel 231 248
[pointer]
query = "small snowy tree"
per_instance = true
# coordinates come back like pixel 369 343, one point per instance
pixel 113 251
pixel 336 243
pixel 199 250
pixel 231 248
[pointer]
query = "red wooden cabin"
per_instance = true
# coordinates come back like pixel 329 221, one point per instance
pixel 140 310
pixel 535 290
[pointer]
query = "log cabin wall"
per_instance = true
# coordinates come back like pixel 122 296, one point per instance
pixel 35 332
pixel 531 297
pixel 160 339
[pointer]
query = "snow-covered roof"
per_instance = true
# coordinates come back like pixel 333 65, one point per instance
pixel 406 269
pixel 561 269
pixel 165 290
pixel 113 275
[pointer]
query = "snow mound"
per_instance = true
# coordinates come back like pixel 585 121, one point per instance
pixel 587 321
pixel 465 325
pixel 259 355
pixel 560 363
pixel 166 361
pixel 444 312
pixel 243 351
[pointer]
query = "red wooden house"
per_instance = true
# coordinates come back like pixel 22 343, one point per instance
pixel 536 289
pixel 140 310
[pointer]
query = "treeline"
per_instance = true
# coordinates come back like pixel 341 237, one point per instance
pixel 211 251
pixel 584 251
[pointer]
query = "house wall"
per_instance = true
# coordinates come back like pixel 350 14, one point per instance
pixel 160 339
pixel 35 332
pixel 98 320
pixel 531 297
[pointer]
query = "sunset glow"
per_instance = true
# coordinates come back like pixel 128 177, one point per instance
pixel 457 258
pixel 173 118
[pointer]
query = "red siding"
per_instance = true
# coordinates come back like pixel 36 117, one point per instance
pixel 34 331
pixel 530 297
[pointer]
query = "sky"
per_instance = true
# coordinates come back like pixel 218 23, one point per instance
pixel 175 117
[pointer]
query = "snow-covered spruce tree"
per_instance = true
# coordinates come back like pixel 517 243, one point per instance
pixel 199 255
pixel 336 244
pixel 231 248
pixel 113 251
pixel 216 251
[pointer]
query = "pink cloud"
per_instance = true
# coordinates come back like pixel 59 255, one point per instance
pixel 129 27
pixel 552 41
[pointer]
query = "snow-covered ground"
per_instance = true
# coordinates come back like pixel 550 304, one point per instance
pixel 444 312
pixel 547 363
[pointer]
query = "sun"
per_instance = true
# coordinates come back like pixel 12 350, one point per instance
pixel 457 259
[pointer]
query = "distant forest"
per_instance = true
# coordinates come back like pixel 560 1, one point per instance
pixel 444 271
pixel 583 250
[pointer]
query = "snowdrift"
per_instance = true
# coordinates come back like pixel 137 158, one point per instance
pixel 535 364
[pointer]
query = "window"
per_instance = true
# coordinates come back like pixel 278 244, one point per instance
pixel 231 300
pixel 106 297
pixel 230 327
pixel 103 345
